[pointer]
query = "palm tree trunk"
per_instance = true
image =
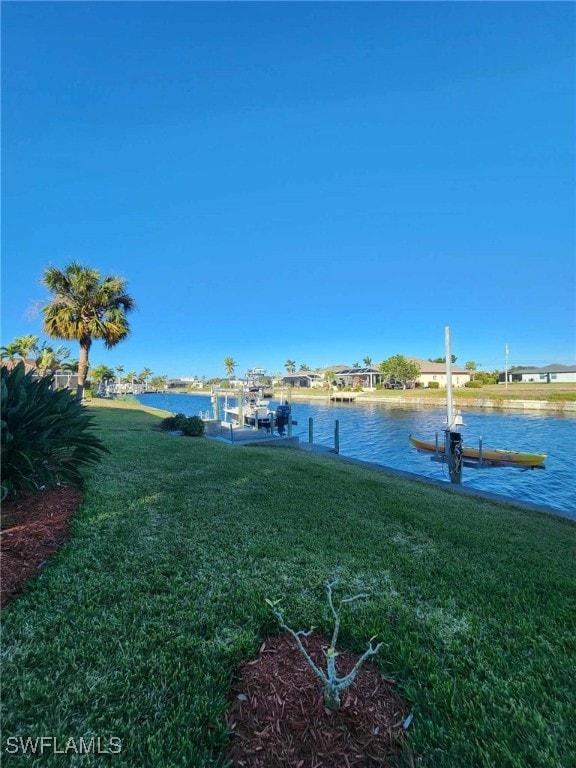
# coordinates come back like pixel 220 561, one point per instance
pixel 82 369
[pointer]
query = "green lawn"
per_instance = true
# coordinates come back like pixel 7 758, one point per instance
pixel 136 626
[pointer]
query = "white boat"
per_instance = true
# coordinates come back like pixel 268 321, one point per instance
pixel 251 410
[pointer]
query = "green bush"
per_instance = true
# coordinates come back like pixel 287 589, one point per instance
pixel 193 426
pixel 173 423
pixel 433 385
pixel 46 434
pixel 474 384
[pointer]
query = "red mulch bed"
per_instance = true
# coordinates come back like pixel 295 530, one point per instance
pixel 34 526
pixel 278 718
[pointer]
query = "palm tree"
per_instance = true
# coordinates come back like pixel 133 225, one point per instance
pixel 101 373
pixel 70 367
pixel 367 362
pixel 10 351
pixel 49 358
pixel 144 375
pixel 230 365
pixel 86 307
pixel 118 379
pixel 26 345
pixel 158 383
pixel 131 375
pixel 290 366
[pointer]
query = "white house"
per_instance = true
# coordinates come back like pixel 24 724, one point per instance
pixel 430 372
pixel 554 373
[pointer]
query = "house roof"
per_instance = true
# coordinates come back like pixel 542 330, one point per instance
pixel 553 368
pixel 302 374
pixel 427 367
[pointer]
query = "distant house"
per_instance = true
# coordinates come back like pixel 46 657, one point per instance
pixel 29 365
pixel 302 379
pixel 366 377
pixel 554 373
pixel 436 372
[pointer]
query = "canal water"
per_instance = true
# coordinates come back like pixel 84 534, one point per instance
pixel 379 432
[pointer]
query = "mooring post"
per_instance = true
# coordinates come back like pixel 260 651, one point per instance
pixel 240 411
pixel 453 439
pixel 480 452
pixel 310 429
pixel 337 436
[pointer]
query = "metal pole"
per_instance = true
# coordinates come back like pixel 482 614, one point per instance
pixel 310 429
pixel 240 411
pixel 449 403
pixel 453 444
pixel 337 436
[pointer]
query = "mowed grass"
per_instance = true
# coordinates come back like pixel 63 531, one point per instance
pixel 135 628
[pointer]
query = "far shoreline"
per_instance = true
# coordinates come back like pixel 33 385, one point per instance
pixel 562 407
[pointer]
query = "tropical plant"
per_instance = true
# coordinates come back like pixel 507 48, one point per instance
pixel 85 307
pixel 101 373
pixel 356 365
pixel 46 434
pixel 305 367
pixel 398 368
pixel 290 366
pixel 333 684
pixel 50 358
pixel 367 362
pixel 26 345
pixel 144 375
pixel 10 352
pixel 131 377
pixel 230 366
pixel 471 366
pixel 158 383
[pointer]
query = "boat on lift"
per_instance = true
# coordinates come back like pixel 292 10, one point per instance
pixel 251 408
pixel 452 449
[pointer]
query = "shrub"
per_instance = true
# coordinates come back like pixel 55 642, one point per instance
pixel 474 384
pixel 433 385
pixel 333 684
pixel 173 423
pixel 193 426
pixel 45 436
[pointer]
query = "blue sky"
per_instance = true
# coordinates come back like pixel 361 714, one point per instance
pixel 314 181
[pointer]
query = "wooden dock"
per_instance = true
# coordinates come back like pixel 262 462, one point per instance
pixel 343 397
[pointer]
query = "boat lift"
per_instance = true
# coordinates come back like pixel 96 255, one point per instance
pixel 453 451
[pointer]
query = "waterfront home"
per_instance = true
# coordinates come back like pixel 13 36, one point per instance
pixel 550 373
pixel 436 372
